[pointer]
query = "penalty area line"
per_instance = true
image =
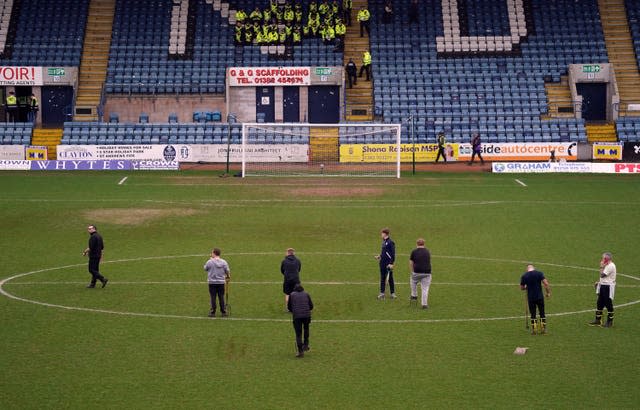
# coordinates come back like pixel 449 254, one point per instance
pixel 520 182
pixel 123 180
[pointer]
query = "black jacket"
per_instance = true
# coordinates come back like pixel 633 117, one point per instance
pixel 290 268
pixel 300 305
pixel 95 245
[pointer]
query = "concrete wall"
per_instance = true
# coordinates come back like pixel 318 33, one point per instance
pixel 159 107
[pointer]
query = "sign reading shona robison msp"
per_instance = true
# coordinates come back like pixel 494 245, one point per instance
pixel 274 76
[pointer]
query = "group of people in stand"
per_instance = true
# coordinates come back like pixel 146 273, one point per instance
pixel 286 24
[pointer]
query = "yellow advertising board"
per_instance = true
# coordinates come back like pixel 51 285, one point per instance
pixel 607 151
pixel 388 152
pixel 36 153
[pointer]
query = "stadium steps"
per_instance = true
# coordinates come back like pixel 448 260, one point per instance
pixel 324 144
pixel 49 137
pixel 620 50
pixel 559 100
pixel 95 58
pixel 359 101
pixel 601 133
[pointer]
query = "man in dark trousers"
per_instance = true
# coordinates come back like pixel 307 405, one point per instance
pixel 441 151
pixel 300 306
pixel 476 148
pixel 94 251
pixel 605 288
pixel 218 274
pixel 352 73
pixel 532 281
pixel 290 269
pixel 386 258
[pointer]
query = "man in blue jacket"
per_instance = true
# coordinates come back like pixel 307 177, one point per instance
pixel 386 258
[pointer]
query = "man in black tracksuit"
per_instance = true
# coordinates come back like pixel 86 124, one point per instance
pixel 94 250
pixel 300 306
pixel 290 269
pixel 386 258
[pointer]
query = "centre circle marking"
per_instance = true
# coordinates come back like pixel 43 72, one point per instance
pixel 5 293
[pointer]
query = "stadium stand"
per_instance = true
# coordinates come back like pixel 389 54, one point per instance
pixel 15 133
pixel 633 16
pixel 502 95
pixel 628 129
pixel 119 133
pixel 140 61
pixel 47 32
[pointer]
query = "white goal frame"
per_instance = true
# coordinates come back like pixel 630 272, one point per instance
pixel 397 128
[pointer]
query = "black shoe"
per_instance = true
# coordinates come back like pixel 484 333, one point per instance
pixel 413 298
pixel 212 314
pixel 104 282
pixel 608 323
pixel 300 354
pixel 425 306
pixel 91 286
pixel 305 348
pixel 595 323
pixel 225 314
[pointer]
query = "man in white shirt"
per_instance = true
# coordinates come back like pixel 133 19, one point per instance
pixel 605 289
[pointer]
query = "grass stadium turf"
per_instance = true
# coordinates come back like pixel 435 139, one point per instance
pixel 145 342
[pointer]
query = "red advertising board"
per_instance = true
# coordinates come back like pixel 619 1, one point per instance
pixel 268 76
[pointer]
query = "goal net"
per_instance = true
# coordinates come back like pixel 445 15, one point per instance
pixel 277 149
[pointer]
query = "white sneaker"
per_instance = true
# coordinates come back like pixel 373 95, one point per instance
pixel 381 296
pixel 393 296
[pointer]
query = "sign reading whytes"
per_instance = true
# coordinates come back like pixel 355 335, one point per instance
pixel 21 76
pixel 272 76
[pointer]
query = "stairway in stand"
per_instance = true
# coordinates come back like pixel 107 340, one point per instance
pixel 323 144
pixel 359 104
pixel 558 100
pixel 49 137
pixel 95 58
pixel 601 132
pixel 617 35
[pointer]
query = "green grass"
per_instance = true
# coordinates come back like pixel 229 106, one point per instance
pixel 160 227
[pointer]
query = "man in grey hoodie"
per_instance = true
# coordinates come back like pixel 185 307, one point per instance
pixel 217 273
pixel 290 269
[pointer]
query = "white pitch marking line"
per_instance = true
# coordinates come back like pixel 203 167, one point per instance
pixel 360 321
pixel 122 181
pixel 520 182
pixel 318 283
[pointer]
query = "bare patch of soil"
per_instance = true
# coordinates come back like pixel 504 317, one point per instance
pixel 336 191
pixel 137 216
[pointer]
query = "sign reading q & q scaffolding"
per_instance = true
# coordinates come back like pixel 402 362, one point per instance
pixel 273 76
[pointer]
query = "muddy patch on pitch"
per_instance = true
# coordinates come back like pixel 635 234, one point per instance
pixel 337 192
pixel 138 216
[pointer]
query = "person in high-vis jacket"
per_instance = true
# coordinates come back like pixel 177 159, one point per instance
pixel 366 65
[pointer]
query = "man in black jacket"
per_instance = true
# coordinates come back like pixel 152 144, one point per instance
pixel 94 250
pixel 300 305
pixel 290 269
pixel 352 73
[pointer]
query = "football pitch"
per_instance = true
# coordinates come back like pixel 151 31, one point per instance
pixel 145 340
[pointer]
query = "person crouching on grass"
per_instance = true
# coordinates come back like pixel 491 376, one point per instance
pixel 217 273
pixel 300 305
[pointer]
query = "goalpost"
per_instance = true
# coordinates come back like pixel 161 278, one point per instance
pixel 321 150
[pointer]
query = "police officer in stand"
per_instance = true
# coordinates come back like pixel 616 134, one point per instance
pixel 11 106
pixel 366 65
